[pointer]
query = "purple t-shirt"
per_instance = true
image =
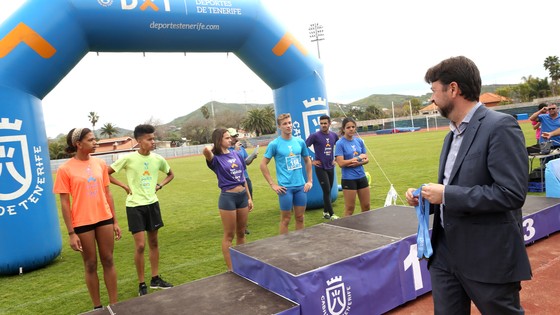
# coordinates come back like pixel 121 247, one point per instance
pixel 229 169
pixel 323 144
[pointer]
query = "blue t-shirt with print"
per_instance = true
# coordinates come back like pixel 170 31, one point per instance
pixel 288 157
pixel 350 149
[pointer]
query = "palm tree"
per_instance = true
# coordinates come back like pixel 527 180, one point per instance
pixel 270 115
pixel 260 121
pixel 109 130
pixel 552 64
pixel 93 119
pixel 538 87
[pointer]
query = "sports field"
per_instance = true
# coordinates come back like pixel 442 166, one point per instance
pixel 190 241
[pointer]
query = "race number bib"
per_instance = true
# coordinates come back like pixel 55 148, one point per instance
pixel 293 162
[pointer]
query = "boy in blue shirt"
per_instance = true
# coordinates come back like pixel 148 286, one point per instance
pixel 288 153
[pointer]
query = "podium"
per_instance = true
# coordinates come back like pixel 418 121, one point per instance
pixel 364 264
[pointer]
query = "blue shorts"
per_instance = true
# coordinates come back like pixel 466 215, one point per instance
pixel 233 200
pixel 294 196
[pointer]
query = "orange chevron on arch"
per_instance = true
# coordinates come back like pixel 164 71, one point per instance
pixel 25 34
pixel 285 42
pixel 149 3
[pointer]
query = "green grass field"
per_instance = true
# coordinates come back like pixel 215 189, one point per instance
pixel 190 241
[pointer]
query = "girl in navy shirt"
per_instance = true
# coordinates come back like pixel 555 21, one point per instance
pixel 235 201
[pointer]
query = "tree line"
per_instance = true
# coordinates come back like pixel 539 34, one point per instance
pixel 534 87
pixel 57 146
pixel 262 121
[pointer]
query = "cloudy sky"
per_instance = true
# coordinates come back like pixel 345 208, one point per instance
pixel 370 47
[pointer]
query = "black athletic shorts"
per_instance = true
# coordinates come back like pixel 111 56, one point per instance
pixel 144 218
pixel 91 227
pixel 354 184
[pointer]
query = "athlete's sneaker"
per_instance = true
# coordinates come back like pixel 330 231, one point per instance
pixel 326 215
pixel 158 283
pixel 334 217
pixel 142 289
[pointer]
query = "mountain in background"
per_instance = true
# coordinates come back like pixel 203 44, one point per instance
pixel 219 109
pixel 380 100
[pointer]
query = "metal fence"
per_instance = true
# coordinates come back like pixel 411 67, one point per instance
pixel 169 152
pixel 180 151
pixel 418 121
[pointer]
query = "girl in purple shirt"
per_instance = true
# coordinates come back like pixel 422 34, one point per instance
pixel 235 201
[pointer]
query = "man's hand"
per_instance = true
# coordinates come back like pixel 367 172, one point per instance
pixel 413 201
pixel 433 193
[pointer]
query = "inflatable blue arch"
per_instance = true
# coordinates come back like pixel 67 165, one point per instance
pixel 43 40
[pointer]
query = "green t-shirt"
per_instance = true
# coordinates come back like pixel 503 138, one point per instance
pixel 142 176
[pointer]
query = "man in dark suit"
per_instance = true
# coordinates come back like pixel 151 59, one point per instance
pixel 479 253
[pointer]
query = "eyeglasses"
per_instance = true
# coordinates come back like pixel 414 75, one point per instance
pixel 552 108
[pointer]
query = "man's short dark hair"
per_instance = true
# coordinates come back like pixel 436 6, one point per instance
pixel 143 129
pixel 323 117
pixel 461 70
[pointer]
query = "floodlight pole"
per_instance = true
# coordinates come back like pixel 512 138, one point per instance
pixel 212 109
pixel 316 34
pixel 245 95
pixel 393 108
pixel 213 116
pixel 411 119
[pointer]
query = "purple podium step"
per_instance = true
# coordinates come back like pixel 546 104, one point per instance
pixel 341 267
pixel 363 264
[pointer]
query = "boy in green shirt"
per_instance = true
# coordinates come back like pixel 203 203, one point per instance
pixel 142 205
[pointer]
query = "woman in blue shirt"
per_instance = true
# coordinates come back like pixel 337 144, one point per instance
pixel 350 154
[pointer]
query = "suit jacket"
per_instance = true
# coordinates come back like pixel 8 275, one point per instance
pixel 483 199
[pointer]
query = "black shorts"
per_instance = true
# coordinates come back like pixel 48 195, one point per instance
pixel 144 218
pixel 91 227
pixel 354 184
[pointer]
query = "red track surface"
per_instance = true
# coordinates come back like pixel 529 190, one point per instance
pixel 541 295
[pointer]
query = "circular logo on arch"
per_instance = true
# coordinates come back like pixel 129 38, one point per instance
pixel 22 169
pixel 105 3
